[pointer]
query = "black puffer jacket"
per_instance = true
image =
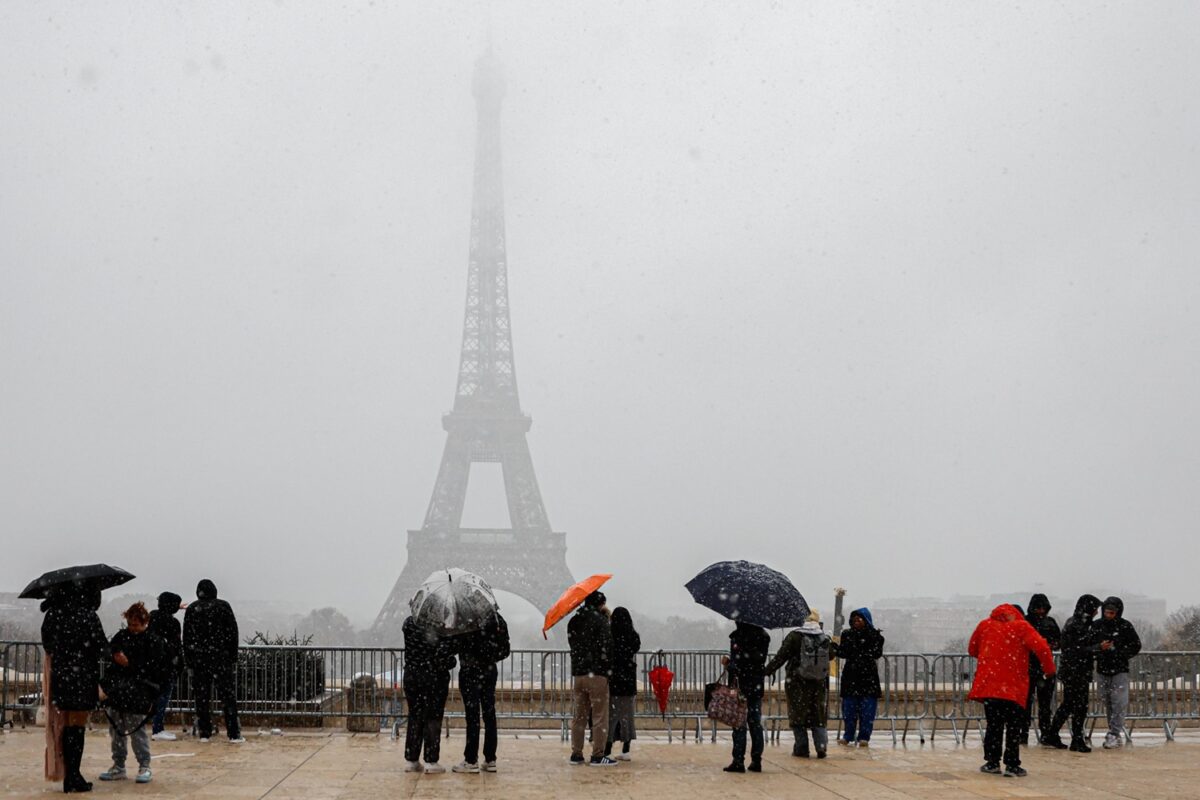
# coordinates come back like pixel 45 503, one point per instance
pixel 626 644
pixel 74 638
pixel 748 649
pixel 1047 628
pixel 1119 631
pixel 860 649
pixel 137 686
pixel 210 631
pixel 1078 642
pixel 166 626
pixel 428 656
pixel 589 635
pixel 481 649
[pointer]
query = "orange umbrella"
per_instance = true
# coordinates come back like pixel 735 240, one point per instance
pixel 571 598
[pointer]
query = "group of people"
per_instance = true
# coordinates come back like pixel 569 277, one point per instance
pixel 142 663
pixel 1014 650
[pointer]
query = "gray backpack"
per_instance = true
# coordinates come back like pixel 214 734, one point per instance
pixel 813 661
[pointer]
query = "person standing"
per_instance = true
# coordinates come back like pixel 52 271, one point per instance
pixel 1040 688
pixel 428 660
pixel 748 649
pixel 1075 671
pixel 478 653
pixel 1002 644
pixel 1117 643
pixel 210 650
pixel 860 647
pixel 622 689
pixel 132 683
pixel 589 635
pixel 165 626
pixel 806 652
pixel 74 641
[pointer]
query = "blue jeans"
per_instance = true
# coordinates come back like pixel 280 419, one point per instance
pixel 160 705
pixel 858 713
pixel 754 724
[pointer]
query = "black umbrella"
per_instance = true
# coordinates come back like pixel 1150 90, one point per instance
pixel 747 592
pixel 102 576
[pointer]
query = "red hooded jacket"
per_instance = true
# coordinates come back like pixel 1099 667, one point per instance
pixel 1002 643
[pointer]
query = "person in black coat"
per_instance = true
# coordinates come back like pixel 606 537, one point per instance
pixel 74 639
pixel 622 686
pixel 748 649
pixel 478 653
pixel 165 626
pixel 860 646
pixel 210 649
pixel 1075 668
pixel 132 683
pixel 428 659
pixel 1117 643
pixel 1039 617
pixel 589 635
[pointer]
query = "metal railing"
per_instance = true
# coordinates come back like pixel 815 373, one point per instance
pixel 281 685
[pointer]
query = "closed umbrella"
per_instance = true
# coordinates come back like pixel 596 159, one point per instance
pixel 744 591
pixel 453 601
pixel 571 598
pixel 101 576
pixel 660 681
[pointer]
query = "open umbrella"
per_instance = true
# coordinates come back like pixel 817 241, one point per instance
pixel 453 601
pixel 660 682
pixel 102 576
pixel 571 598
pixel 744 591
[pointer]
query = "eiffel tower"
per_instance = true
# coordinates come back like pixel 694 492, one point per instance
pixel 486 425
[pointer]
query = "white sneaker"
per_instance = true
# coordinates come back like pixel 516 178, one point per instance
pixel 413 766
pixel 467 767
pixel 238 740
pixel 623 757
pixel 434 769
pixel 205 740
pixel 489 766
pixel 144 775
pixel 163 736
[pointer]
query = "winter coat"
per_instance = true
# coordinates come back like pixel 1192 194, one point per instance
pixel 1002 644
pixel 210 631
pixel 748 648
pixel 1078 642
pixel 626 644
pixel 1047 628
pixel 481 649
pixel 165 626
pixel 74 639
pixel 1119 631
pixel 429 657
pixel 805 644
pixel 589 635
pixel 137 686
pixel 860 649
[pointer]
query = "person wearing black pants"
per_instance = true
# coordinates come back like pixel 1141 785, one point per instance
pixel 203 680
pixel 428 659
pixel 1075 671
pixel 748 649
pixel 210 649
pixel 1038 615
pixel 478 653
pixel 1005 727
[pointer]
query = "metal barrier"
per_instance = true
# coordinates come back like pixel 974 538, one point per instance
pixel 308 685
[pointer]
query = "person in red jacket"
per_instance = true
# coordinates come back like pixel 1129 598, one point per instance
pixel 1002 644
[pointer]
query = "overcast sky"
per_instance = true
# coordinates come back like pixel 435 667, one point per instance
pixel 900 297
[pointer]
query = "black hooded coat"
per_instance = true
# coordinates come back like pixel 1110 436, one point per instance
pixel 748 649
pixel 74 639
pixel 1119 631
pixel 481 649
pixel 166 626
pixel 1078 641
pixel 135 688
pixel 626 643
pixel 1047 628
pixel 210 631
pixel 428 657
pixel 860 649
pixel 589 635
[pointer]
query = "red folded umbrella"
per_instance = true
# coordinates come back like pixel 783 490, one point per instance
pixel 660 682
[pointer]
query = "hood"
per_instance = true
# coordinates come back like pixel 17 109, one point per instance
pixel 1006 612
pixel 169 601
pixel 206 590
pixel 865 613
pixel 1117 603
pixel 1087 605
pixel 1038 601
pixel 811 628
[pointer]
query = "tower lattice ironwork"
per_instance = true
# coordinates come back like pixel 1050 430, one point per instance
pixel 486 424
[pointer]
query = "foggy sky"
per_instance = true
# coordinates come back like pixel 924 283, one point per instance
pixel 899 297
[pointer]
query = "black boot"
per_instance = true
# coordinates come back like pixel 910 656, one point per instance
pixel 72 745
pixel 735 766
pixel 755 766
pixel 1079 746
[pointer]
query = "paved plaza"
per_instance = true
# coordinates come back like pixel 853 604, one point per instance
pixel 306 764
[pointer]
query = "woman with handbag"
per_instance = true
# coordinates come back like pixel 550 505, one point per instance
pixel 748 648
pixel 132 684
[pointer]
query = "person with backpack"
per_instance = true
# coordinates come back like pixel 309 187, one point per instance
pixel 622 689
pixel 478 653
pixel 860 646
pixel 589 635
pixel 164 625
pixel 210 650
pixel 132 683
pixel 428 660
pixel 1038 615
pixel 1117 642
pixel 749 646
pixel 1075 671
pixel 806 652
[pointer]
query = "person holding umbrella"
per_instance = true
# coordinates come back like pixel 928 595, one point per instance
pixel 478 652
pixel 589 635
pixel 748 648
pixel 428 659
